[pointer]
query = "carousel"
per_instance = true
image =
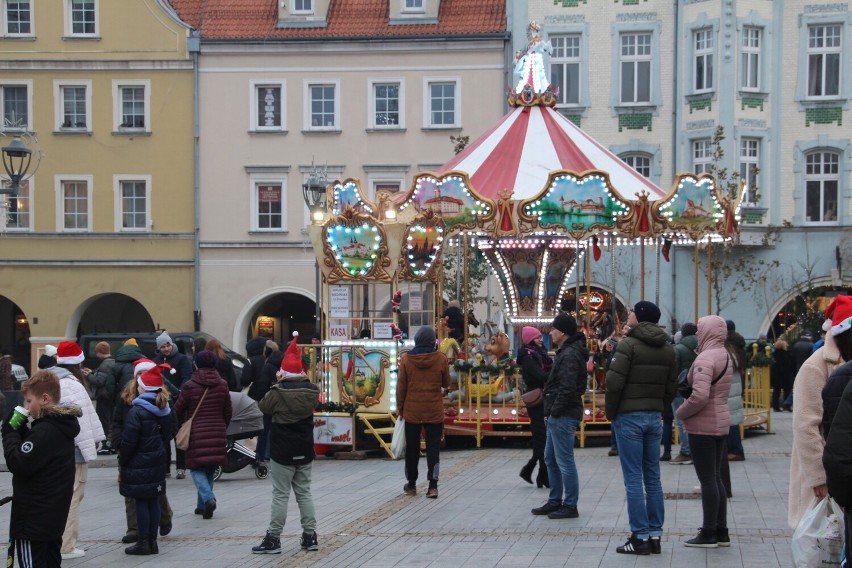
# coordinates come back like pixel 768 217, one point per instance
pixel 539 200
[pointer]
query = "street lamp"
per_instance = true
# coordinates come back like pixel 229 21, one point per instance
pixel 314 192
pixel 16 162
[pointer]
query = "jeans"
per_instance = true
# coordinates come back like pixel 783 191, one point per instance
pixel 639 435
pixel 681 431
pixel 707 458
pixel 613 439
pixel 735 443
pixel 203 479
pixel 148 517
pixel 297 477
pixel 433 448
pixel 559 459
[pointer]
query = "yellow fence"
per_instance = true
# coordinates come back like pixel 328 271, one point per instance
pixel 756 400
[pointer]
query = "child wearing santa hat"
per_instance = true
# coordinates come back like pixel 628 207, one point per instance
pixel 291 403
pixel 807 475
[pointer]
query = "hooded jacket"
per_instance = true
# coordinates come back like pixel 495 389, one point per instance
pixel 418 387
pixel 254 352
pixel 207 437
pixel 685 352
pixel 91 429
pixel 837 456
pixel 566 383
pixel 266 378
pixel 642 374
pixel 41 460
pixel 142 453
pixel 706 412
pixel 122 370
pixel 291 403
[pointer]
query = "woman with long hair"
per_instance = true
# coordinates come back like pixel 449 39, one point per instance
pixel 223 364
pixel 535 365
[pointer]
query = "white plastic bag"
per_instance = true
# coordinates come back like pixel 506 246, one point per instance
pixel 398 439
pixel 818 540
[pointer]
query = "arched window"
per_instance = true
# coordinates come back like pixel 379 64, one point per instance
pixel 639 162
pixel 822 181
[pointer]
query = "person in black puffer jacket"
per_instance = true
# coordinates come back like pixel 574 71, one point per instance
pixel 41 460
pixel 535 365
pixel 142 454
pixel 837 455
pixel 262 386
pixel 122 369
pixel 832 395
pixel 563 407
pixel 251 372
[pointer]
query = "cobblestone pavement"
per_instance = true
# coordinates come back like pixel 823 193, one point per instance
pixel 481 518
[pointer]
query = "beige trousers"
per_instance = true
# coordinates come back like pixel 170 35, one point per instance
pixel 72 525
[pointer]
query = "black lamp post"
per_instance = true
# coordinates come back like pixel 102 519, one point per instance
pixel 314 192
pixel 16 162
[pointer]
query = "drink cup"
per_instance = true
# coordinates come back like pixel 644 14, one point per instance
pixel 20 416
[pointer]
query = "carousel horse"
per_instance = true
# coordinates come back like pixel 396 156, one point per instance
pixel 482 385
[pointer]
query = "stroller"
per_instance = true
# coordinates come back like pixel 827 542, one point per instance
pixel 246 422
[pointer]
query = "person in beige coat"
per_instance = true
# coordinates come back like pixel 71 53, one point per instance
pixel 807 476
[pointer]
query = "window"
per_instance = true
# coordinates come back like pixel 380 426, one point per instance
pixel 749 167
pixel 824 61
pixel 639 162
pixel 15 100
pixel 635 68
pixel 73 203
pixel 18 17
pixel 386 99
pixel 18 211
pixel 82 17
pixel 702 156
pixel 267 106
pixel 131 100
pixel 750 59
pixel 822 179
pixel 442 107
pixel 703 70
pixel 387 186
pixel 565 68
pixel 412 5
pixel 133 210
pixel 303 7
pixel 268 206
pixel 73 106
pixel 323 104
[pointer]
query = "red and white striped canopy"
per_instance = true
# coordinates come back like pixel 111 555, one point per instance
pixel 522 149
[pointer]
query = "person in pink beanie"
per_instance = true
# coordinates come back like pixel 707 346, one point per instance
pixel 535 365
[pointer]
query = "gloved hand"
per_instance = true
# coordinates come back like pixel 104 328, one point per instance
pixel 6 427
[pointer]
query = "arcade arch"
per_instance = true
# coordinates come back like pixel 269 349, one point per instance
pixel 275 314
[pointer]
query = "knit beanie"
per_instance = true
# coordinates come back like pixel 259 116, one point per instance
pixel 291 364
pixel 529 334
pixel 647 311
pixel 565 323
pixel 163 339
pixel 205 360
pixel 131 341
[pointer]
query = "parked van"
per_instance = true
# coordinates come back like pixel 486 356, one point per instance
pixel 147 342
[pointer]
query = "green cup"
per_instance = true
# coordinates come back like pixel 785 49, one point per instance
pixel 20 416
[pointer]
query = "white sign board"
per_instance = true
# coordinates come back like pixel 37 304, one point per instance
pixel 333 430
pixel 339 302
pixel 415 303
pixel 338 332
pixel 382 330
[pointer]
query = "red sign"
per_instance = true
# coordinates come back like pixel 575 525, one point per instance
pixel 269 193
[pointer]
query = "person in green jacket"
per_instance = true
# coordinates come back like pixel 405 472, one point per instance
pixel 684 354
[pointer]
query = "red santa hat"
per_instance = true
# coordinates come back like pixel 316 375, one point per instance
pixel 69 353
pixel 152 378
pixel 292 362
pixel 142 365
pixel 838 316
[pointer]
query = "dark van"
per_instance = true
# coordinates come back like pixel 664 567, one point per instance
pixel 147 342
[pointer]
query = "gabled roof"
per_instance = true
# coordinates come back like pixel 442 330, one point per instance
pixel 258 19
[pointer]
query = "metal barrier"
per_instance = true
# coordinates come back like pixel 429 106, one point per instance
pixel 757 401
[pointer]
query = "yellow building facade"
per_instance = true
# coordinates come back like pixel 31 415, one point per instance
pixel 101 237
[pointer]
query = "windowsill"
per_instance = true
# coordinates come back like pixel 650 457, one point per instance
pixel 30 37
pixel 266 232
pixel 698 96
pixel 746 93
pixel 821 223
pixel 72 132
pixel 324 131
pixel 816 103
pixel 17 131
pixel 133 231
pixel 412 19
pixel 131 133
pixel 636 109
pixel 270 131
pixel 441 128
pixel 81 38
pixel 374 129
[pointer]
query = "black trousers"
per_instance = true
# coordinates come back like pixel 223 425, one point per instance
pixel 38 554
pixel 707 452
pixel 412 451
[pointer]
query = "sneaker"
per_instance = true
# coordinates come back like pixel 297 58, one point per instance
pixel 309 541
pixel 704 539
pixel 682 459
pixel 666 457
pixel 613 452
pixel 655 545
pixel 635 546
pixel 432 493
pixel 564 512
pixel 545 509
pixel 269 545
pixel 722 537
pixel 76 553
pixel 181 474
pixel 409 489
pixel 209 507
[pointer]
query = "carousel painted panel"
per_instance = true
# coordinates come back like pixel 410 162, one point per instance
pixel 356 248
pixel 363 377
pixel 421 252
pixel 347 194
pixel 692 207
pixel 450 197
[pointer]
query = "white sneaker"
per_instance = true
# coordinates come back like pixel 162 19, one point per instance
pixel 76 553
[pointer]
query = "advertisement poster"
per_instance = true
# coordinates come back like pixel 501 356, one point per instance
pixel 339 302
pixel 333 430
pixel 382 330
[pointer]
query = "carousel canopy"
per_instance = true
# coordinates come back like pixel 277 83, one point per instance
pixel 519 153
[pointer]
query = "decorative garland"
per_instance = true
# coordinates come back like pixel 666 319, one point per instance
pixel 760 360
pixel 507 369
pixel 336 407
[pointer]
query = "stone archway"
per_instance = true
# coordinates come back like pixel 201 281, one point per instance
pixel 276 314
pixel 110 313
pixel 783 313
pixel 15 333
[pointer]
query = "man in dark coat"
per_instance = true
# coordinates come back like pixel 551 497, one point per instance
pixel 801 350
pixel 455 321
pixel 684 355
pixel 563 409
pixel 641 380
pixel 122 369
pixel 837 455
pixel 254 352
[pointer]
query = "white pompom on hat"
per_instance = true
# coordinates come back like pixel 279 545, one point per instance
pixel 292 362
pixel 69 353
pixel 838 316
pixel 50 350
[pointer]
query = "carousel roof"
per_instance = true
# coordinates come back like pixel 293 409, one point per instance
pixel 531 141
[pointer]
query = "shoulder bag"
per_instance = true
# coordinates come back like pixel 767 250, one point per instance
pixel 532 398
pixel 684 389
pixel 182 437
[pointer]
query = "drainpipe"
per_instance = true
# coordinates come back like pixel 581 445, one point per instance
pixel 194 48
pixel 675 124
